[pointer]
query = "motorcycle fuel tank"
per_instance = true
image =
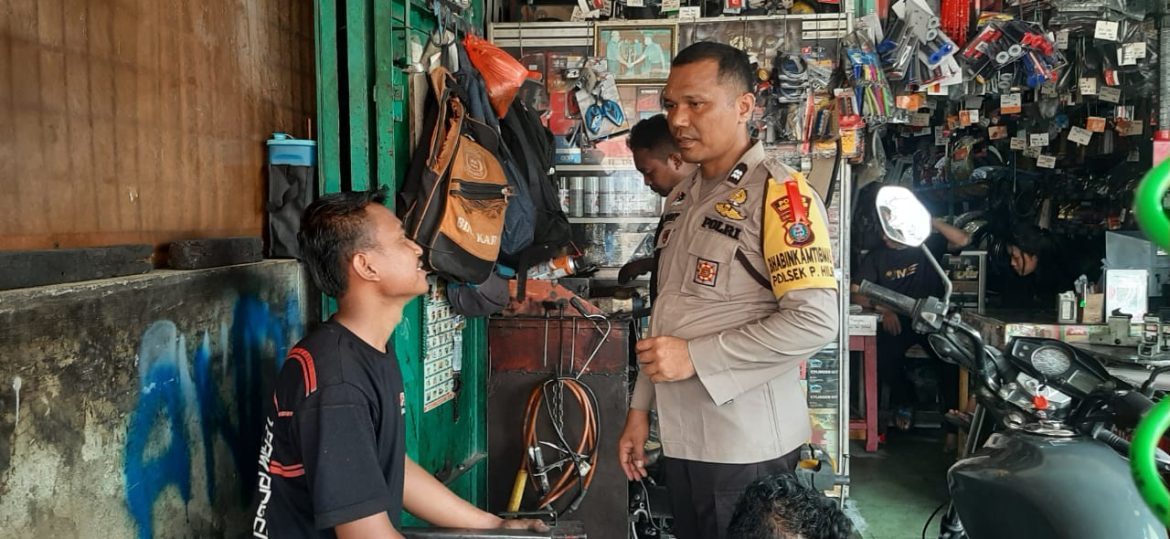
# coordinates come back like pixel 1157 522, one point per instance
pixel 1027 486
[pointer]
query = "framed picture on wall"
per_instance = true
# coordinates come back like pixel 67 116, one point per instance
pixel 637 53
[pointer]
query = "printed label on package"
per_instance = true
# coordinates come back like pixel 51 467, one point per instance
pixel 1106 30
pixel 1010 104
pixel 1080 135
pixel 1018 143
pixel 1038 139
pixel 1046 161
pixel 1087 85
pixel 1111 94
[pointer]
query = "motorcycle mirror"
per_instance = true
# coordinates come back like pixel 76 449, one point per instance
pixel 904 219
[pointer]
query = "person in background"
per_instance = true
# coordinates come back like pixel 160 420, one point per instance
pixel 1046 269
pixel 722 369
pixel 908 271
pixel 657 157
pixel 779 507
pixel 333 452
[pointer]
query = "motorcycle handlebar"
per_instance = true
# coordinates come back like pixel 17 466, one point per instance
pixel 900 303
pixel 1129 407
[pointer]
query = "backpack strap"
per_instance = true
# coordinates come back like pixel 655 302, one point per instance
pixel 752 271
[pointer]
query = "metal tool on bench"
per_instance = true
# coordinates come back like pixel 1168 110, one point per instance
pixel 1119 334
pixel 1155 335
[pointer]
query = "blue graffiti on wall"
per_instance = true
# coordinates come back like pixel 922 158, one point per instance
pixel 194 407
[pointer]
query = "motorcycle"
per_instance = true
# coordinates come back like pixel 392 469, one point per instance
pixel 1043 459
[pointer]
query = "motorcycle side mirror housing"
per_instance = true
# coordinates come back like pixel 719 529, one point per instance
pixel 906 221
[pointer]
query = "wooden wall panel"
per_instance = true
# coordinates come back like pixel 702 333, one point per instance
pixel 137 121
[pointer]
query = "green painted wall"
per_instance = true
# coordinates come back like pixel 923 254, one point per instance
pixel 362 110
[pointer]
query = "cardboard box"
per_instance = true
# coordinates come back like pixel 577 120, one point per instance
pixel 1094 312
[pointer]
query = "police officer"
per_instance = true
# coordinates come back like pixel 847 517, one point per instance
pixel 739 306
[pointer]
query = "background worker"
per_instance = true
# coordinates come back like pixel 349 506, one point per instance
pixel 657 157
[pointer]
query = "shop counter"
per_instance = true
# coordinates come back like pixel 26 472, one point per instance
pixel 1000 327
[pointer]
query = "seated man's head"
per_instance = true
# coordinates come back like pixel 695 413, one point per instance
pixel 350 242
pixel 779 507
pixel 656 156
pixel 1027 247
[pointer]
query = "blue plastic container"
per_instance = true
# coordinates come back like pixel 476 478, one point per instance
pixel 285 150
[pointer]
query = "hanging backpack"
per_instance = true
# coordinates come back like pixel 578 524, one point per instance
pixel 532 144
pixel 455 193
pixel 520 217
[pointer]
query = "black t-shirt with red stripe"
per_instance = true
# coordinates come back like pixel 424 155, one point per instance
pixel 333 447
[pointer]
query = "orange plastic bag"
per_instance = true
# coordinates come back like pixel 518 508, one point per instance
pixel 502 74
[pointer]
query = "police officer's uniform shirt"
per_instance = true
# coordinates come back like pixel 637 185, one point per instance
pixel 746 341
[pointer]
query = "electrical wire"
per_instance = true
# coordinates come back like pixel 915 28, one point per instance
pixel 932 515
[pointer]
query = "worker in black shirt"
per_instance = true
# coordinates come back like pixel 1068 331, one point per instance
pixel 657 157
pixel 333 452
pixel 906 270
pixel 1046 267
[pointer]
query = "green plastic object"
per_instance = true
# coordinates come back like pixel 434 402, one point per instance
pixel 1147 205
pixel 1142 461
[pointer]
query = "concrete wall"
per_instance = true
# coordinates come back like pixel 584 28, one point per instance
pixel 132 407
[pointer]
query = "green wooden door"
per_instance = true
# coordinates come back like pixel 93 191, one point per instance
pixel 364 141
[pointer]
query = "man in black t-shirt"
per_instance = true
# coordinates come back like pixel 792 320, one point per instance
pixel 908 271
pixel 333 454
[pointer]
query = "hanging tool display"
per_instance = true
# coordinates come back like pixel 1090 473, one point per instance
pixel 557 468
pixel 1000 44
pixel 916 50
pixel 872 99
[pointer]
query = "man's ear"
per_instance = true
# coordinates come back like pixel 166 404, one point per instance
pixel 745 105
pixel 361 266
pixel 675 161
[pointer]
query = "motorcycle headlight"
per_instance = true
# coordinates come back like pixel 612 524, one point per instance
pixel 1051 361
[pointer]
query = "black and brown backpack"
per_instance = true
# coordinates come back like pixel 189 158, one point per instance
pixel 455 193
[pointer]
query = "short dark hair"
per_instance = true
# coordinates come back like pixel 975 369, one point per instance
pixel 733 63
pixel 652 134
pixel 332 229
pixel 779 507
pixel 1032 240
